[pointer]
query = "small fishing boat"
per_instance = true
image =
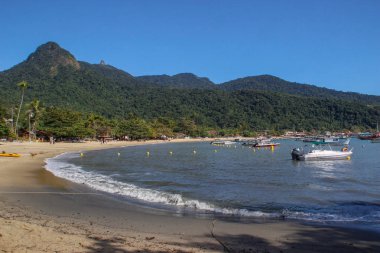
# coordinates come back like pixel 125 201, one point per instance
pixel 9 155
pixel 310 139
pixel 370 136
pixel 265 144
pixel 332 142
pixel 249 143
pixel 321 154
pixel 222 143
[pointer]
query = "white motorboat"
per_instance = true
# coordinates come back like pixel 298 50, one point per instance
pixel 320 154
pixel 221 142
pixel 265 144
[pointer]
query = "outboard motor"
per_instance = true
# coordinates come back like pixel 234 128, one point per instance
pixel 297 154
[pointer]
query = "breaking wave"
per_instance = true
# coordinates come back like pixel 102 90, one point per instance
pixel 59 167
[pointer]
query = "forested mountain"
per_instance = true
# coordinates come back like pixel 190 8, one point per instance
pixel 259 83
pixel 56 78
pixel 183 80
pixel 275 84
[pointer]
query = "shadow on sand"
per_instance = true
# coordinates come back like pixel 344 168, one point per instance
pixel 324 239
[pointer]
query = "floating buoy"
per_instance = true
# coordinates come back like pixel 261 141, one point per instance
pixel 147 153
pixel 194 152
pixel 216 151
pixel 81 154
pixel 171 152
pixel 118 153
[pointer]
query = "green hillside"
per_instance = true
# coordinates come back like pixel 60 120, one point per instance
pixel 57 79
pixel 275 84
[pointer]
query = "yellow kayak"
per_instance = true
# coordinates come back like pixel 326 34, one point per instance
pixel 9 155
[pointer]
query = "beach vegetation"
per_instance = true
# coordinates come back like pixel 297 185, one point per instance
pixel 4 130
pixel 34 112
pixel 135 128
pixel 22 85
pixel 64 123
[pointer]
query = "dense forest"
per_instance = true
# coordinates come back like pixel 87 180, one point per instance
pixel 78 99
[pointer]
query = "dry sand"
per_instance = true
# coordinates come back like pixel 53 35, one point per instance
pixel 42 213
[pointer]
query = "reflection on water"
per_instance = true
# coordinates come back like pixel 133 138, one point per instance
pixel 329 169
pixel 328 165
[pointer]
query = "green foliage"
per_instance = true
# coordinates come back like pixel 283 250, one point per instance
pixel 100 100
pixel 2 112
pixel 275 84
pixel 98 125
pixel 63 123
pixel 4 130
pixel 23 85
pixel 163 127
pixel 183 81
pixel 135 129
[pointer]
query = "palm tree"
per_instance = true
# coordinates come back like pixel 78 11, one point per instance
pixel 22 85
pixel 34 113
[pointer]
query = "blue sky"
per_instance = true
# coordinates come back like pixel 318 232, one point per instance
pixel 334 44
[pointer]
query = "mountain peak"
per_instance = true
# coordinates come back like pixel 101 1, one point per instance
pixel 51 55
pixel 50 45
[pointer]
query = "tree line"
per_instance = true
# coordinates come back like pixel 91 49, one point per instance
pixel 153 113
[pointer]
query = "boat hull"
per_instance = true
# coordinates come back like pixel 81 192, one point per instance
pixel 222 143
pixel 320 155
pixel 335 143
pixel 369 137
pixel 9 155
pixel 310 157
pixel 266 145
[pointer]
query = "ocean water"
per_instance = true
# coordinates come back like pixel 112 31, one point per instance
pixel 235 181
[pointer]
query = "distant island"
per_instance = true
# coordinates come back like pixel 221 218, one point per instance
pixel 67 98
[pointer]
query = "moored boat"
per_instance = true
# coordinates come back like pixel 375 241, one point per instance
pixel 321 154
pixel 369 136
pixel 222 142
pixel 249 143
pixel 265 144
pixel 332 142
pixel 310 139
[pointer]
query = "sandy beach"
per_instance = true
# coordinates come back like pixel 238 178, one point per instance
pixel 42 213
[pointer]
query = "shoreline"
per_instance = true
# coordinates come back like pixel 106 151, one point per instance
pixel 71 218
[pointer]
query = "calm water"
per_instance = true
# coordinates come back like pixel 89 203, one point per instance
pixel 236 181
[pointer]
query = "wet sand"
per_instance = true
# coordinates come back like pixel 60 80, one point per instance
pixel 42 213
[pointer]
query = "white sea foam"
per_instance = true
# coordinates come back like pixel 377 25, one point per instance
pixel 107 184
